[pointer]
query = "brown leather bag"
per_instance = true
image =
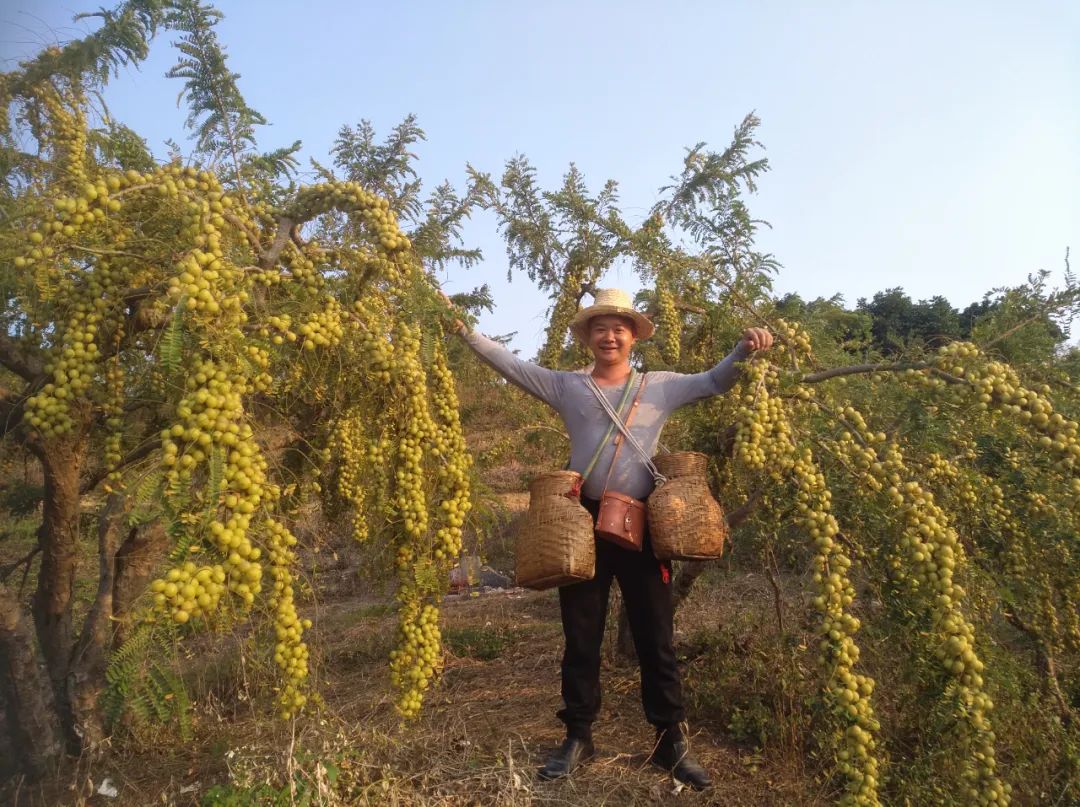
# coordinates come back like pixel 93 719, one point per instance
pixel 621 518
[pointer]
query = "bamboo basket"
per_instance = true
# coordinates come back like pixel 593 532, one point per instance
pixel 685 521
pixel 556 546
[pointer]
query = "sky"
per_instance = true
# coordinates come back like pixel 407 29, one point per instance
pixel 929 145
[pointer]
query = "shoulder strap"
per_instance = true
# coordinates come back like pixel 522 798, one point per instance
pixel 645 458
pixel 619 437
pixel 611 426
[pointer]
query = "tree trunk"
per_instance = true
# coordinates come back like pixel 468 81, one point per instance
pixel 58 537
pixel 86 676
pixel 135 563
pixel 34 737
pixel 689 571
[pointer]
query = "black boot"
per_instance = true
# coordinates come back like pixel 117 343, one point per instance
pixel 672 753
pixel 573 752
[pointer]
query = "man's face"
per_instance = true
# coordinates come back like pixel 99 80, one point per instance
pixel 610 338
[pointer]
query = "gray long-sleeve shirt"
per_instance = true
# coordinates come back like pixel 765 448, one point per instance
pixel 586 421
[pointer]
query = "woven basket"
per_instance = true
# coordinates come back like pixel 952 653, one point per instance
pixel 556 545
pixel 685 521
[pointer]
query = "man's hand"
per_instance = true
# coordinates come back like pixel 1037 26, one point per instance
pixel 458 326
pixel 756 339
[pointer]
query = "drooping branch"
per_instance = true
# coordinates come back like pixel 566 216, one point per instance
pixel 12 408
pixel 771 573
pixel 8 568
pixel 689 308
pixel 856 369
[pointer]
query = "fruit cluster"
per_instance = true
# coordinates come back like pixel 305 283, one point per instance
pixel 765 442
pixel 324 329
pixel 231 296
pixel 670 325
pixel 348 440
pixel 188 592
pixel 374 210
pixel 417 659
pixel 290 652
pixel 928 556
pixel 453 470
pixel 59 118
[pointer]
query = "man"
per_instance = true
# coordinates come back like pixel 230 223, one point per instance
pixel 610 327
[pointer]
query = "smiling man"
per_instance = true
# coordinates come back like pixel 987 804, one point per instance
pixel 610 327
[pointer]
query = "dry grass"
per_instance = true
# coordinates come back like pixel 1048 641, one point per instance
pixel 484 730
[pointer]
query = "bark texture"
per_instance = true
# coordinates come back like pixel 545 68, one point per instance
pixel 58 537
pixel 34 738
pixel 86 671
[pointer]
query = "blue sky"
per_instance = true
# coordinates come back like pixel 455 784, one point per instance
pixel 929 145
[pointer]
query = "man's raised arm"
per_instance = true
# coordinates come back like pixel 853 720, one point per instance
pixel 545 384
pixel 685 389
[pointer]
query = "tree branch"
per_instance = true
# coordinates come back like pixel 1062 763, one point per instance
pixel 855 369
pixel 133 456
pixel 771 573
pixel 107 252
pixel 693 309
pixel 269 258
pixel 7 569
pixel 1047 666
pixel 251 235
pixel 24 362
pixel 11 411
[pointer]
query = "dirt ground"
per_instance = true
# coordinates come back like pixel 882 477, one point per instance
pixel 484 730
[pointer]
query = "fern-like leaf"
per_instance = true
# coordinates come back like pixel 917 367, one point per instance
pixel 171 346
pixel 214 479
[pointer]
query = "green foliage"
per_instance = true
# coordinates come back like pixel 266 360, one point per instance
pixel 140 685
pixel 707 201
pixel 751 682
pixel 1037 315
pixel 387 168
pixel 485 644
pixel 122 39
pixel 303 790
pixel 145 498
pixel 222 122
pixel 120 147
pixel 171 346
pixel 214 476
pixel 434 224
pixel 21 499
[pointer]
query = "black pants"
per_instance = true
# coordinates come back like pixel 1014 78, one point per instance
pixel 646 589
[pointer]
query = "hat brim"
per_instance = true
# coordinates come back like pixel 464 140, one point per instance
pixel 579 325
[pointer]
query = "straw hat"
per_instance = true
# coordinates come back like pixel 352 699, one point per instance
pixel 610 301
